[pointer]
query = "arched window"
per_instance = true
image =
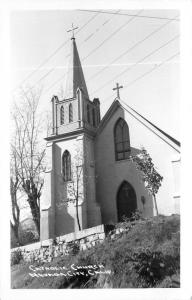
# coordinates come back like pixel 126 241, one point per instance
pixel 62 115
pixel 88 113
pixel 121 139
pixel 70 113
pixel 66 166
pixel 93 116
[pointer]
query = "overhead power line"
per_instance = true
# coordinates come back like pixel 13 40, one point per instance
pixel 143 75
pixel 131 15
pixel 92 51
pixel 111 35
pixel 138 62
pixel 55 52
pixel 131 48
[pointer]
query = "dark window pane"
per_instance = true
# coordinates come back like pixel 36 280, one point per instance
pixel 125 132
pixel 88 114
pixel 66 166
pixel 120 156
pixel 118 134
pixel 126 154
pixel 62 115
pixel 126 146
pixel 93 116
pixel 121 138
pixel 70 113
pixel 119 147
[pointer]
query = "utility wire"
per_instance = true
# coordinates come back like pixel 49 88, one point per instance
pixel 60 78
pixel 55 52
pixel 135 45
pixel 138 62
pixel 68 54
pixel 130 15
pixel 144 74
pixel 109 37
pixel 130 49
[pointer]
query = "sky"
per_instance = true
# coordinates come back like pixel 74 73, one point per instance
pixel 139 49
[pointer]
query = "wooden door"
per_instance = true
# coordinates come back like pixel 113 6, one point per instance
pixel 126 201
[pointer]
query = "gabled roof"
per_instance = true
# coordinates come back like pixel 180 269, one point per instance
pixel 159 132
pixel 75 76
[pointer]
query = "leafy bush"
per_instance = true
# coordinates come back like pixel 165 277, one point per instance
pixel 28 237
pixel 153 266
pixel 16 257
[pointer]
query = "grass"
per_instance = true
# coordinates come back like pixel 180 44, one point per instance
pixel 148 255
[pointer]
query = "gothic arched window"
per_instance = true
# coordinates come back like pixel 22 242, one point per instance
pixel 121 139
pixel 70 113
pixel 66 165
pixel 93 116
pixel 88 113
pixel 62 115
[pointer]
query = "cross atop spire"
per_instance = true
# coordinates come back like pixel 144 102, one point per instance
pixel 72 30
pixel 75 77
pixel 117 88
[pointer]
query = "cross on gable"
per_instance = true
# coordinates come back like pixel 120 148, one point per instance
pixel 72 30
pixel 117 88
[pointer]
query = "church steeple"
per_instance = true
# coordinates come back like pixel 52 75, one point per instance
pixel 75 76
pixel 75 110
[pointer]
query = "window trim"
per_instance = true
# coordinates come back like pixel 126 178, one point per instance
pixel 88 114
pixel 62 115
pixel 93 117
pixel 125 148
pixel 70 113
pixel 66 166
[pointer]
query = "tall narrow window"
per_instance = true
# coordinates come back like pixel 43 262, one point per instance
pixel 121 139
pixel 62 115
pixel 66 166
pixel 88 113
pixel 93 116
pixel 70 113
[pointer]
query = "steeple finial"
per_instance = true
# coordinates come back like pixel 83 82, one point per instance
pixel 72 29
pixel 75 77
pixel 118 87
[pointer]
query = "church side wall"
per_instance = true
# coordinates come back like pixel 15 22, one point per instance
pixel 65 216
pixel 93 210
pixel 110 173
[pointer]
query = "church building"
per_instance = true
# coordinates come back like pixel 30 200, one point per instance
pixel 90 178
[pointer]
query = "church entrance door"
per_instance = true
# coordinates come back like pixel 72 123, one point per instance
pixel 126 201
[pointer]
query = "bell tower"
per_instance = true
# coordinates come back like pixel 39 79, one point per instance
pixel 68 201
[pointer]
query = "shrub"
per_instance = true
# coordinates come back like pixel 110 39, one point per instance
pixel 28 237
pixel 16 257
pixel 153 266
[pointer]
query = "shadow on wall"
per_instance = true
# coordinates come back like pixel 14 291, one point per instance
pixel 64 221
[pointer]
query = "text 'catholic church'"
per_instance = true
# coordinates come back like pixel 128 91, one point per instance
pixel 89 172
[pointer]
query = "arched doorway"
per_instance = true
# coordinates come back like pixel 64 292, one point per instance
pixel 126 201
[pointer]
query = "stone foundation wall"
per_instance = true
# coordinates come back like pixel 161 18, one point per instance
pixel 67 244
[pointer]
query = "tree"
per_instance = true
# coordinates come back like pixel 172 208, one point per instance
pixel 14 189
pixel 14 185
pixel 28 151
pixel 150 176
pixel 75 186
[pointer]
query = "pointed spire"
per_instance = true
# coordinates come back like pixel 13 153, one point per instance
pixel 75 76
